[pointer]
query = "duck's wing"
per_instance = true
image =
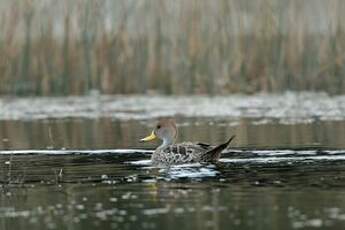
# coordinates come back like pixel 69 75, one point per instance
pixel 214 153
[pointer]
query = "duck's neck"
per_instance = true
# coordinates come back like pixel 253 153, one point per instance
pixel 166 142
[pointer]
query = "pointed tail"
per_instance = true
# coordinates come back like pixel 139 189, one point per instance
pixel 214 154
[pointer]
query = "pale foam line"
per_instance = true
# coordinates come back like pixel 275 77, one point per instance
pixel 175 173
pixel 287 152
pixel 72 151
pixel 282 159
pixel 248 160
pixel 141 162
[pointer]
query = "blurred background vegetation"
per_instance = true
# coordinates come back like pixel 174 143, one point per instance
pixel 71 47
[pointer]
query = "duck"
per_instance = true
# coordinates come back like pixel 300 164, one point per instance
pixel 170 153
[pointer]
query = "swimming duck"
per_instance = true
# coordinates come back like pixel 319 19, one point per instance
pixel 169 153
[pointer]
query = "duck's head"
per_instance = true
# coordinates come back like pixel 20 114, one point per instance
pixel 164 130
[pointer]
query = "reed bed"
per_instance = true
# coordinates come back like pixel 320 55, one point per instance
pixel 72 47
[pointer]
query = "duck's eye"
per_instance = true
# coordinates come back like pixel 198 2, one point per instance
pixel 158 126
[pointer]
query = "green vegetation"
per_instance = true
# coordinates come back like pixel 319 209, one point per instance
pixel 70 47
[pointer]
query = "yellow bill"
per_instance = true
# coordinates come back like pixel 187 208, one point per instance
pixel 149 138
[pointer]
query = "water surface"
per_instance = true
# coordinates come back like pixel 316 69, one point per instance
pixel 85 170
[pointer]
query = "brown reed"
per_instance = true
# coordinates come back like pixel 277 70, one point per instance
pixel 71 47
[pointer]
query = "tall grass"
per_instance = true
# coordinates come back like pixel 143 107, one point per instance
pixel 65 47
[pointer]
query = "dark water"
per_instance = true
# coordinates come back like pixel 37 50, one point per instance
pixel 296 182
pixel 83 168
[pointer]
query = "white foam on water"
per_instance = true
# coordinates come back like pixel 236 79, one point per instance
pixel 156 211
pixel 194 171
pixel 274 152
pixel 263 160
pixel 286 152
pixel 140 162
pixel 73 151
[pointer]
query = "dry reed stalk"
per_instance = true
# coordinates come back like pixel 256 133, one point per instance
pixel 180 47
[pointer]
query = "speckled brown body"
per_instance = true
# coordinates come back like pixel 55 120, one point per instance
pixel 188 152
pixel 170 153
